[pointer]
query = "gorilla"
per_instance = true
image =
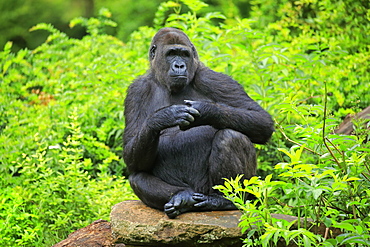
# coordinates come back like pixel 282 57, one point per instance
pixel 187 128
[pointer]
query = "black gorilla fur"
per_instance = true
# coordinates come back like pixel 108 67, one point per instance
pixel 187 128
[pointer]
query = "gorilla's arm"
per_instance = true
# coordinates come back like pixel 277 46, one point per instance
pixel 140 143
pixel 230 107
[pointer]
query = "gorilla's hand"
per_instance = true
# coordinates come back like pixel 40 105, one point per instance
pixel 170 116
pixel 207 113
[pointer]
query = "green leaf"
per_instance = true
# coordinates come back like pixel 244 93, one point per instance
pixel 8 46
pixel 345 226
pixel 194 5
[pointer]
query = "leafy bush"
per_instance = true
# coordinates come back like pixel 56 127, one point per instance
pixel 62 119
pixel 333 192
pixel 61 122
pixel 54 193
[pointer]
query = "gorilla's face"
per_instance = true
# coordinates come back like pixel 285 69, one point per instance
pixel 173 59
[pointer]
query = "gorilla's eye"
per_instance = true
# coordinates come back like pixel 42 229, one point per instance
pixel 186 53
pixel 178 52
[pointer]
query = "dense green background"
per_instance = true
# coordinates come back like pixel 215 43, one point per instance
pixel 63 86
pixel 18 16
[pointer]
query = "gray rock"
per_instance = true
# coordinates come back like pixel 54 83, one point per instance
pixel 134 223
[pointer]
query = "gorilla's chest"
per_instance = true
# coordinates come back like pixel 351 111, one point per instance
pixel 189 93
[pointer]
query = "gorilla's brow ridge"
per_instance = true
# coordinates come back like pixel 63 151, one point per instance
pixel 172 38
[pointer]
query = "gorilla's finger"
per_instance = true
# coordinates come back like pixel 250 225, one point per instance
pixel 193 111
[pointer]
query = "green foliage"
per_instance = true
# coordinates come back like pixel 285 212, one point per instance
pixel 334 193
pixel 61 120
pixel 61 126
pixel 311 25
pixel 129 15
pixel 55 193
pixel 18 16
pixel 95 26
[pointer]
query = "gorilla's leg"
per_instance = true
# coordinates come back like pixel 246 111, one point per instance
pixel 153 191
pixel 232 154
pixel 156 193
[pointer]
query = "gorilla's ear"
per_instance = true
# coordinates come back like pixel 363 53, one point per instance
pixel 194 51
pixel 152 51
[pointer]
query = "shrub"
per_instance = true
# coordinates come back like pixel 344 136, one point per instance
pixel 61 122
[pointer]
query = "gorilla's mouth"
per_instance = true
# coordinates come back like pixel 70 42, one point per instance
pixel 179 77
pixel 178 83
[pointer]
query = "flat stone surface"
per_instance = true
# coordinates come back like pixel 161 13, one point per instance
pixel 134 223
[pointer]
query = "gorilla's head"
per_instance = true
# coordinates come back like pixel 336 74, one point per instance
pixel 173 59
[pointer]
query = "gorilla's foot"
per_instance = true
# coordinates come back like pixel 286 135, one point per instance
pixel 212 202
pixel 180 203
pixel 186 201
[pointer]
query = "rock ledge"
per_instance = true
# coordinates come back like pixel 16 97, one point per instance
pixel 134 223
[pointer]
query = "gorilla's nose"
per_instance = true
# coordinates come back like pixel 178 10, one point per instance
pixel 179 68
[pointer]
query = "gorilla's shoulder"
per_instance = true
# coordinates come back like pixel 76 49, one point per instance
pixel 208 78
pixel 142 83
pixel 205 73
